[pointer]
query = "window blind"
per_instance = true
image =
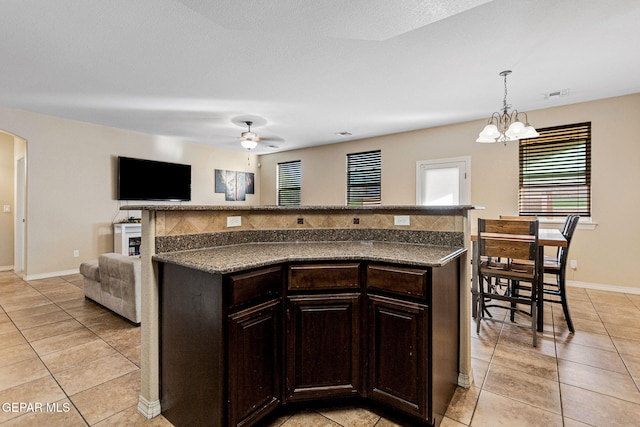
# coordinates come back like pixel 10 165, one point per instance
pixel 555 172
pixel 289 183
pixel 364 178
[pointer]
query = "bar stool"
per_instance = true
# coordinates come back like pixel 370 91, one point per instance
pixel 557 266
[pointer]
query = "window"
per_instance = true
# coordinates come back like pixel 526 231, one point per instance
pixel 555 172
pixel 289 183
pixel 364 178
pixel 443 182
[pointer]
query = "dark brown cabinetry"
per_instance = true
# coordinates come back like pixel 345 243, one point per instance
pixel 414 321
pixel 235 347
pixel 192 356
pixel 254 363
pixel 323 331
pixel 398 354
pixel 254 337
pixel 323 346
pixel 220 345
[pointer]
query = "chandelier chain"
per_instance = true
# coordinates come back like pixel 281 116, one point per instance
pixel 505 106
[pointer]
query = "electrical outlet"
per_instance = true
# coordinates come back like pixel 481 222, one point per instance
pixel 234 221
pixel 76 253
pixel 401 220
pixel 574 263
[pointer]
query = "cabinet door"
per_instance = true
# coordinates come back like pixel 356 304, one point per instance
pixel 254 363
pixel 323 346
pixel 398 364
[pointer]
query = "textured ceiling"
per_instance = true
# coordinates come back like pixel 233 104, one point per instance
pixel 305 70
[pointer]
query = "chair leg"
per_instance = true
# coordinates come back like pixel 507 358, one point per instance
pixel 488 313
pixel 480 304
pixel 563 299
pixel 480 310
pixel 514 292
pixel 534 322
pixel 491 287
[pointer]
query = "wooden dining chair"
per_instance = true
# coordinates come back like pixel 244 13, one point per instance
pixel 515 243
pixel 514 218
pixel 557 266
pixel 497 283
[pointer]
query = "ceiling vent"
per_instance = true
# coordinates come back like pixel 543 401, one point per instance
pixel 556 94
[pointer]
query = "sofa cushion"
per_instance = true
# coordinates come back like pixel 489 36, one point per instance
pixel 120 282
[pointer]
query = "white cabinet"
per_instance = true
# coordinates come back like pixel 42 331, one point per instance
pixel 126 238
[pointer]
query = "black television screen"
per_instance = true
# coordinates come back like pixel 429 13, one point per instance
pixel 140 179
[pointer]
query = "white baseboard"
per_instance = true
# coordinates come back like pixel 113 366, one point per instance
pixel 52 274
pixel 6 267
pixel 604 287
pixel 148 409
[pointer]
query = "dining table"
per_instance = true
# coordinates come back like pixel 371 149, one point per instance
pixel 547 237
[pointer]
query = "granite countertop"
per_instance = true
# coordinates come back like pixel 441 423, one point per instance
pixel 234 258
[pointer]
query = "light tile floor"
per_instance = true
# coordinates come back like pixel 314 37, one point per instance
pixel 60 349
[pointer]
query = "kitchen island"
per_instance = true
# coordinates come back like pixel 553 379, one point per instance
pixel 263 318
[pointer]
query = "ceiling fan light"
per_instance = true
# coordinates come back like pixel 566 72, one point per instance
pixel 248 144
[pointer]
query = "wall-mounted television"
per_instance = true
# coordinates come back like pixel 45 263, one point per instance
pixel 140 179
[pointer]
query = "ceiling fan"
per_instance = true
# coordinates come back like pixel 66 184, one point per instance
pixel 250 139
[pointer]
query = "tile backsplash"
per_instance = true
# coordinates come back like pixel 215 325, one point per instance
pixel 176 223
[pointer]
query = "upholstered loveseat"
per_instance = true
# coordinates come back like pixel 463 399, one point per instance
pixel 113 281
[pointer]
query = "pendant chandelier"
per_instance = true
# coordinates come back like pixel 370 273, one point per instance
pixel 506 126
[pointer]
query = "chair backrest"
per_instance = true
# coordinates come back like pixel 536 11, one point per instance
pixel 519 218
pixel 569 227
pixel 513 239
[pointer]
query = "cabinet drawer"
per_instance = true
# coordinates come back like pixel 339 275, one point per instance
pixel 254 285
pixel 398 280
pixel 324 276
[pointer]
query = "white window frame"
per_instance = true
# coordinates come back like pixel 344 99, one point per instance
pixel 463 163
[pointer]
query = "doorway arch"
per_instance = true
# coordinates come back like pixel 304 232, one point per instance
pixel 17 206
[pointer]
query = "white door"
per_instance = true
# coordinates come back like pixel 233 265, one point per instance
pixel 443 182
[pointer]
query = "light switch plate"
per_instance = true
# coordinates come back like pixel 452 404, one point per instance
pixel 234 221
pixel 6 208
pixel 401 220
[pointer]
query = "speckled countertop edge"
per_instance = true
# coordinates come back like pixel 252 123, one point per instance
pixel 425 210
pixel 234 258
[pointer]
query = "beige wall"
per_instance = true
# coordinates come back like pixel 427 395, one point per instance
pixel 70 183
pixel 606 255
pixel 71 203
pixel 6 198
